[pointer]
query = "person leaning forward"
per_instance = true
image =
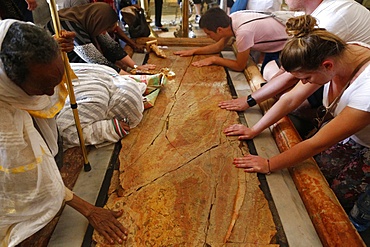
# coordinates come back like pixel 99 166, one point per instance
pixel 345 18
pixel 93 23
pixel 32 93
pixel 252 31
pixel 342 146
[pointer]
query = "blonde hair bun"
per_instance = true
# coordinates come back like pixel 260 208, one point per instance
pixel 301 25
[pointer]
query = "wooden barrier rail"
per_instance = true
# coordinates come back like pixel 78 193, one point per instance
pixel 188 42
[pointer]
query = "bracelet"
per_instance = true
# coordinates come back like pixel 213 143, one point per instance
pixel 250 101
pixel 268 166
pixel 135 66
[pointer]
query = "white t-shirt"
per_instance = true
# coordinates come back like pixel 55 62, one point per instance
pixel 346 18
pixel 264 5
pixel 264 35
pixel 62 4
pixel 357 96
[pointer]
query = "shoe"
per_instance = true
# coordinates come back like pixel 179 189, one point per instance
pixel 197 18
pixel 161 29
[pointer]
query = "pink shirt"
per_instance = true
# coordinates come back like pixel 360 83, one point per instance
pixel 264 35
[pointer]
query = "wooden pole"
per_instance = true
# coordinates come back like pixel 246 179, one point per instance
pixel 57 28
pixel 185 18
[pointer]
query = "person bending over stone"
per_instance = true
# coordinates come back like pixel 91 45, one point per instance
pixel 252 31
pixel 31 93
pixel 345 18
pixel 109 105
pixel 92 24
pixel 341 147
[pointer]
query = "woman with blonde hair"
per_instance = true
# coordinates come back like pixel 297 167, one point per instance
pixel 318 57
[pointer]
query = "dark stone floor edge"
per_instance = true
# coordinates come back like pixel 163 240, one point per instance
pixel 103 193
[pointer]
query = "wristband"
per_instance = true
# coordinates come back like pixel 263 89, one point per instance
pixel 268 167
pixel 250 101
pixel 135 66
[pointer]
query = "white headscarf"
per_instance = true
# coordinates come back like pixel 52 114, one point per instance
pixel 43 106
pixel 31 188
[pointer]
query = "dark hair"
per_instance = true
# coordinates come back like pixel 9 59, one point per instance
pixel 26 44
pixel 309 45
pixel 213 19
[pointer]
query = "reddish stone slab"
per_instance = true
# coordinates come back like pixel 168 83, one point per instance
pixel 178 184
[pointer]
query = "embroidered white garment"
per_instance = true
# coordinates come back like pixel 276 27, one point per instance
pixel 31 188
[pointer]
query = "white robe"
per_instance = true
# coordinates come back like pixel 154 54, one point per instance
pixel 101 95
pixel 31 188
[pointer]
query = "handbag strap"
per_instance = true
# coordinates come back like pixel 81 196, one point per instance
pixel 335 101
pixel 266 15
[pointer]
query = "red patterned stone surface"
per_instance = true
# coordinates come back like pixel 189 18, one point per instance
pixel 178 186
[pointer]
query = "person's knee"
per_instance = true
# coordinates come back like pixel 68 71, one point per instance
pixel 270 70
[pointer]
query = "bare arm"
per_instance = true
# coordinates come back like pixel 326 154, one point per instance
pixel 279 72
pixel 281 108
pixel 275 86
pixel 32 4
pixel 238 65
pixel 205 50
pixel 127 61
pixel 286 104
pixel 347 123
pixel 103 220
pixel 122 36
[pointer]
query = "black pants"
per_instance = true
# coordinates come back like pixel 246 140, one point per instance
pixel 158 5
